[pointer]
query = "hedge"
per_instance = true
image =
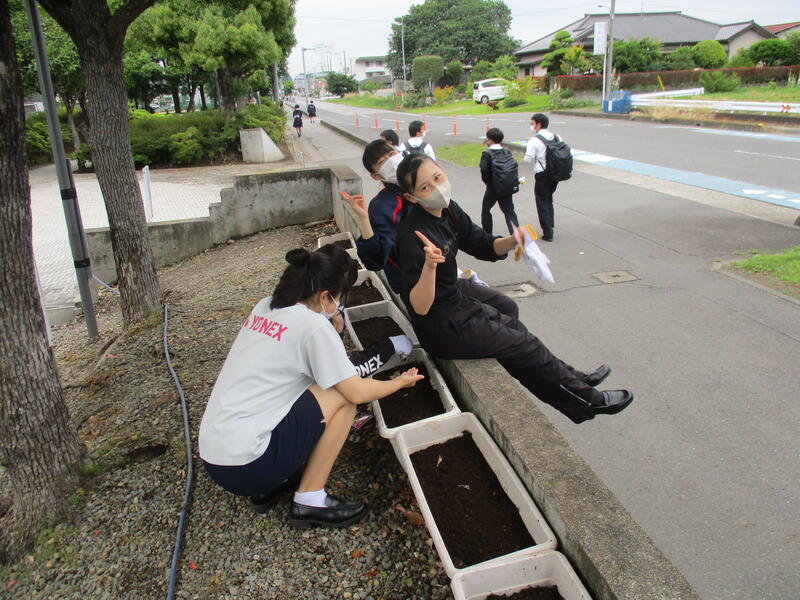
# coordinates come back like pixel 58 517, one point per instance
pixel 676 78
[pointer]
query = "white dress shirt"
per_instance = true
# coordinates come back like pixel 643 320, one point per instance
pixel 536 151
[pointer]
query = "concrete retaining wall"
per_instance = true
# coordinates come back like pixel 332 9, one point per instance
pixel 608 548
pixel 255 203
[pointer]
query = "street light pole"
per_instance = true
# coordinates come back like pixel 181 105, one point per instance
pixel 609 66
pixel 69 197
pixel 305 73
pixel 403 47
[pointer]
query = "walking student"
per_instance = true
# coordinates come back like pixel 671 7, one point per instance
pixel 544 183
pixel 297 115
pixel 500 173
pixel 416 141
pixel 284 401
pixel 453 324
pixel 390 135
pixel 312 111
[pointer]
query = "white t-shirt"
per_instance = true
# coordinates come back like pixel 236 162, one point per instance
pixel 416 142
pixel 536 150
pixel 277 355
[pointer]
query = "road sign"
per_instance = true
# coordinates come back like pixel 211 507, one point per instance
pixel 599 38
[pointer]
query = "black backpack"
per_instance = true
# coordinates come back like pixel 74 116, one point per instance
pixel 505 172
pixel 408 149
pixel 558 158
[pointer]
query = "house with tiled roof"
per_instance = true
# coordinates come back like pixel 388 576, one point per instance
pixel 673 29
pixel 369 67
pixel 782 30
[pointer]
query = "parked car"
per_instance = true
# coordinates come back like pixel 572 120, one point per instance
pixel 489 89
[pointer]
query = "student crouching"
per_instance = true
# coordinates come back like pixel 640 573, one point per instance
pixel 283 404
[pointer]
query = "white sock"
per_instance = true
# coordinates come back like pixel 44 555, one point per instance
pixel 311 498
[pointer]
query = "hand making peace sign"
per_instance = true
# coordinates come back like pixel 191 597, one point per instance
pixel 356 202
pixel 433 255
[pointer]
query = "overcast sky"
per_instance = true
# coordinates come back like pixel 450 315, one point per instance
pixel 361 27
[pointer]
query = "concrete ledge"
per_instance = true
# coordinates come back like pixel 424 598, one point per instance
pixel 256 202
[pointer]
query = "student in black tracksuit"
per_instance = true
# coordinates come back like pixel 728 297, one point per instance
pixel 386 211
pixel 506 201
pixel 297 115
pixel 452 324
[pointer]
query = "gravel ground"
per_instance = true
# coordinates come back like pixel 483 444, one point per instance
pixel 118 541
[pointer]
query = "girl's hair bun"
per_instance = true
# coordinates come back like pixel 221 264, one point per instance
pixel 298 257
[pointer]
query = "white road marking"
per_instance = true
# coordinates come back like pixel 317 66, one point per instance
pixel 754 192
pixel 768 155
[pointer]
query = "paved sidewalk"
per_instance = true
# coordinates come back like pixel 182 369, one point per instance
pixel 707 458
pixel 177 194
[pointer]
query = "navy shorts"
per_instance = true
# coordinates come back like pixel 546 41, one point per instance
pixel 292 442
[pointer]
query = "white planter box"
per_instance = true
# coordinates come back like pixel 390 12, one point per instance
pixel 377 309
pixel 364 275
pixel 338 237
pixel 437 381
pixel 507 578
pixel 422 435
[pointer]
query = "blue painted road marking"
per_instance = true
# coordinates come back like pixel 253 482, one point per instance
pixel 701 180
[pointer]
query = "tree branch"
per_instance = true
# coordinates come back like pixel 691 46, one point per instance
pixel 126 15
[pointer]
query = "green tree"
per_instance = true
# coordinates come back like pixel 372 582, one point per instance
pixel 576 61
pixel 369 85
pixel 709 54
pixel 453 72
pixel 561 42
pixel 794 41
pixel 717 81
pixel 681 58
pixel 464 30
pixel 98 32
pixel 288 87
pixel 65 65
pixel 741 59
pixel 773 52
pixel 144 77
pixel 426 71
pixel 504 67
pixel 340 84
pixel 481 70
pixel 637 55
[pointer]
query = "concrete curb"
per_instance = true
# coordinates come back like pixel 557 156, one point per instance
pixel 719 267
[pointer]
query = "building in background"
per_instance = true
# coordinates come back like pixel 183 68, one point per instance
pixel 782 30
pixel 367 67
pixel 672 29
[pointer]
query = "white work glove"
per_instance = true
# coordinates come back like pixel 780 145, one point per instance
pixel 402 344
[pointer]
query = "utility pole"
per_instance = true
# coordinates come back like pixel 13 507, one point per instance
pixel 69 197
pixel 609 66
pixel 305 73
pixel 276 93
pixel 403 47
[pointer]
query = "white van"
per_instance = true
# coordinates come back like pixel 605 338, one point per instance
pixel 489 89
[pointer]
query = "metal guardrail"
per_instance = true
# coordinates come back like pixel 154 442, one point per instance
pixel 670 93
pixel 721 105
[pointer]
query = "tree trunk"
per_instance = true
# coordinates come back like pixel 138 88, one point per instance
pixel 203 105
pixel 76 138
pixel 38 443
pixel 192 89
pixel 107 105
pixel 226 93
pixel 176 98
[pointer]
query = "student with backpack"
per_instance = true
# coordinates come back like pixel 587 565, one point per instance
pixel 312 111
pixel 416 142
pixel 500 173
pixel 552 162
pixel 297 115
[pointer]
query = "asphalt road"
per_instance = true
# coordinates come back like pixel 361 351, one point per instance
pixel 707 459
pixel 760 159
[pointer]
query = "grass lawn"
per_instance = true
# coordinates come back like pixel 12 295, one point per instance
pixel 760 93
pixel 466 155
pixel 785 266
pixel 536 103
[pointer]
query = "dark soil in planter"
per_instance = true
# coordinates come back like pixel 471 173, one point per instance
pixel 410 404
pixel 547 592
pixel 343 244
pixel 375 328
pixel 475 517
pixel 364 294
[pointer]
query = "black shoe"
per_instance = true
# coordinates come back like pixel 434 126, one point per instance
pixel 615 401
pixel 336 513
pixel 263 502
pixel 597 376
pixel 547 238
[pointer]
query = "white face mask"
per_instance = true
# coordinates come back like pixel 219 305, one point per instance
pixel 438 198
pixel 424 132
pixel 336 310
pixel 533 129
pixel 388 170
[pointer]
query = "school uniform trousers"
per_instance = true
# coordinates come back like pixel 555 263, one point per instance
pixel 477 329
pixel 543 189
